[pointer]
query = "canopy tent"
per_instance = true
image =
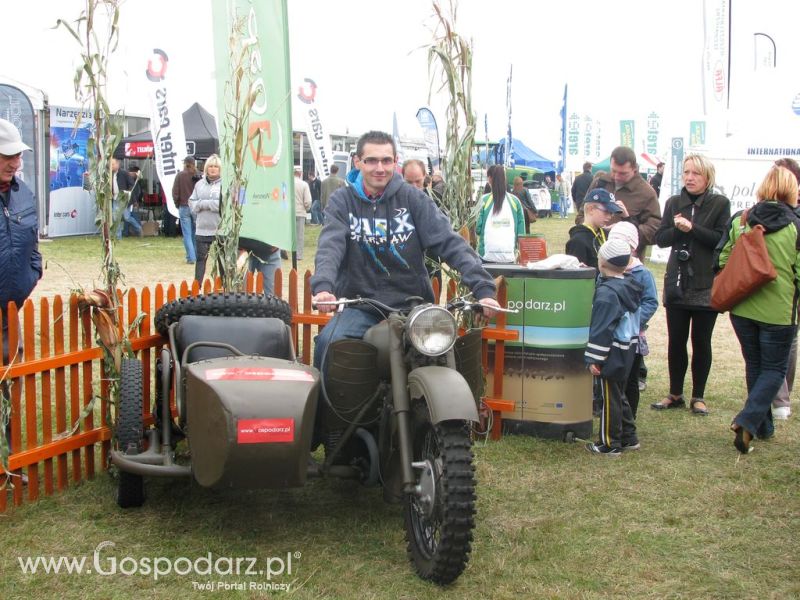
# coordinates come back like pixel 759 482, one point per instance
pixel 200 130
pixel 523 156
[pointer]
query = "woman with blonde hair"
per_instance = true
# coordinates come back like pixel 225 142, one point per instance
pixel 693 223
pixel 765 323
pixel 204 204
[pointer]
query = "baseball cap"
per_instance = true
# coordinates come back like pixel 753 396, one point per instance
pixel 616 252
pixel 298 169
pixel 626 232
pixel 10 139
pixel 604 198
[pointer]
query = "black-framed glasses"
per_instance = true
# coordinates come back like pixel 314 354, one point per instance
pixel 372 161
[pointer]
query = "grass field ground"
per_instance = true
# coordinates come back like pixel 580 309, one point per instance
pixel 685 517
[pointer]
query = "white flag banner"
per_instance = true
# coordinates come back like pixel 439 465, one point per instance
pixel 318 137
pixel 166 126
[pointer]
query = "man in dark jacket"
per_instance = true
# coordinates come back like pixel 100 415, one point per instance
pixel 20 261
pixel 655 180
pixel 640 200
pixel 581 185
pixel 373 245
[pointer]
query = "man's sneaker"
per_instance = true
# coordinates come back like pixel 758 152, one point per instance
pixel 603 450
pixel 781 413
pixel 631 447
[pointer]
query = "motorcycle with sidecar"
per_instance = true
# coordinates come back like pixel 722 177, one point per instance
pixel 393 410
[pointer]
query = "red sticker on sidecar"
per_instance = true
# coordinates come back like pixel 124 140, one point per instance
pixel 264 431
pixel 257 374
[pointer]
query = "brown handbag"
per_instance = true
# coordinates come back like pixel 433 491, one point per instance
pixel 749 268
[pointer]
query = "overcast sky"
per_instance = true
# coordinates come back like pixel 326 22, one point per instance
pixel 622 59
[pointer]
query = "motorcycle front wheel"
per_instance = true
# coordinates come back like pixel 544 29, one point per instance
pixel 439 518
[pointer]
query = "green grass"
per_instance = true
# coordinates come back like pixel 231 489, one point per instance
pixel 685 517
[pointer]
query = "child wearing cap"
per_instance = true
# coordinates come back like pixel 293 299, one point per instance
pixel 628 233
pixel 613 337
pixel 585 239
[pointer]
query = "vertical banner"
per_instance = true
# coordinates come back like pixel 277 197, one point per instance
pixel 166 126
pixel 573 136
pixel 396 136
pixel 318 137
pixel 509 156
pixel 72 209
pixel 697 133
pixel 562 148
pixel 588 135
pixel 268 202
pixel 676 166
pixel 716 56
pixel 16 107
pixel 431 134
pixel 626 133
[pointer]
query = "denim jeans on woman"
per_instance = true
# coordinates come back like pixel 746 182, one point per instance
pixel 765 349
pixel 187 230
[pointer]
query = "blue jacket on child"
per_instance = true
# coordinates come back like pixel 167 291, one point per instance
pixel 614 329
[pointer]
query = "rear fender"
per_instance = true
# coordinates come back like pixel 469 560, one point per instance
pixel 447 393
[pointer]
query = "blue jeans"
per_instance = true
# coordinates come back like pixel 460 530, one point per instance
pixel 131 221
pixel 316 212
pixel 765 349
pixel 187 229
pixel 350 323
pixel 266 268
pixel 562 204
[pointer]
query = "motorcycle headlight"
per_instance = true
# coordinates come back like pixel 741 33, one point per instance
pixel 431 330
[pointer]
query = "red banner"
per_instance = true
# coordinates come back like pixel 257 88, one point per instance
pixel 138 149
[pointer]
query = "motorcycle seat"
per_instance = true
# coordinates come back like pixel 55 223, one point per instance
pixel 257 336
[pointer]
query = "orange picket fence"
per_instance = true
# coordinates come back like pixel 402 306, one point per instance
pixel 61 368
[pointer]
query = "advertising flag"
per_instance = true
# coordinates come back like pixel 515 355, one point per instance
pixel 268 202
pixel 318 137
pixel 716 57
pixel 626 133
pixel 71 210
pixel 562 149
pixel 509 155
pixel 431 134
pixel 166 126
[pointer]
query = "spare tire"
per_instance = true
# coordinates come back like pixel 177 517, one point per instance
pixel 223 305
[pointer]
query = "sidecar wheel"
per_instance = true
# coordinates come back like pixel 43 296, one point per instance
pixel 439 534
pixel 130 431
pixel 222 305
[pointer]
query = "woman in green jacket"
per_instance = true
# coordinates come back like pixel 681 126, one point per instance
pixel 766 321
pixel 500 222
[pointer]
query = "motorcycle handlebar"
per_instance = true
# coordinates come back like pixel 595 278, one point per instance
pixel 455 304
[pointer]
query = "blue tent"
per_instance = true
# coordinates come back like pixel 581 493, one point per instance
pixel 524 156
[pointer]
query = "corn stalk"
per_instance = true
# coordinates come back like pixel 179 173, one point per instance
pixel 96 31
pixel 240 96
pixel 450 67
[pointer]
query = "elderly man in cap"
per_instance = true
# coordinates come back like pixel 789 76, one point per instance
pixel 20 261
pixel 302 204
pixel 182 188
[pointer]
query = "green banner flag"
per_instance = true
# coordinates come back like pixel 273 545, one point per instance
pixel 697 133
pixel 626 134
pixel 268 202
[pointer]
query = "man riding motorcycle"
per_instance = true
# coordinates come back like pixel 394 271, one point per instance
pixel 373 244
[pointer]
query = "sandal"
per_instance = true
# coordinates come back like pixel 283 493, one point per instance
pixel 669 401
pixel 742 439
pixel 698 410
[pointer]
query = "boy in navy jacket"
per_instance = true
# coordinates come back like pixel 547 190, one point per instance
pixel 613 338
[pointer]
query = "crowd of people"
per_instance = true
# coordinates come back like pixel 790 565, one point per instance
pixel 359 254
pixel 698 227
